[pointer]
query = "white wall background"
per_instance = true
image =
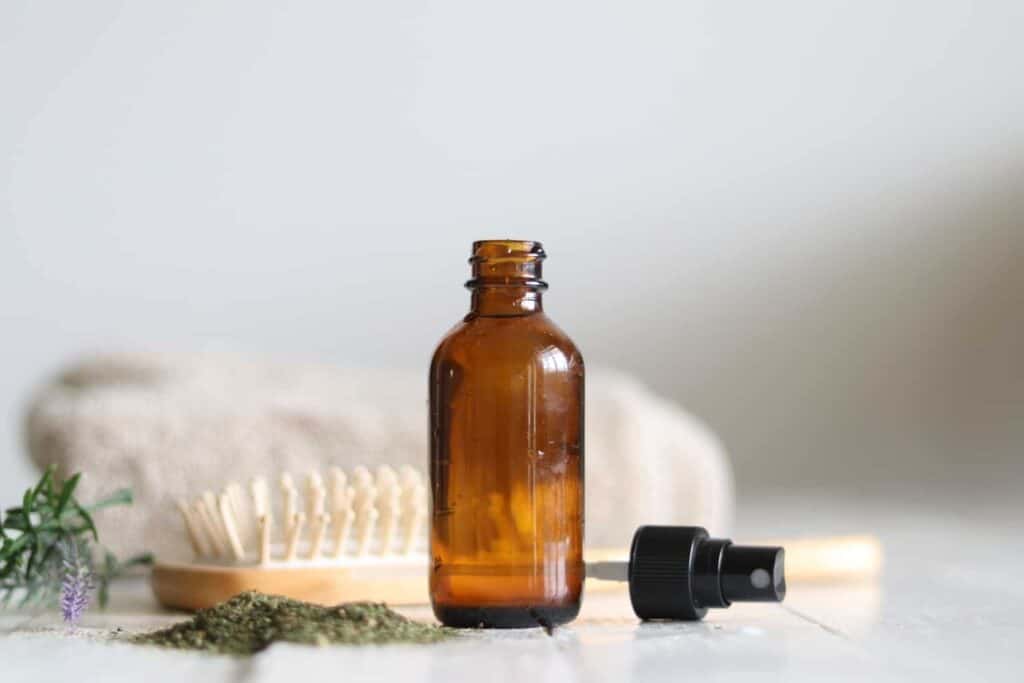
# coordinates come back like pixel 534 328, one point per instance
pixel 804 220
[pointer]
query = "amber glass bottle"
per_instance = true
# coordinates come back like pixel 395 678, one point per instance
pixel 506 453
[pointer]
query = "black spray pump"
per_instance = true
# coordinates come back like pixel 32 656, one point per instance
pixel 678 572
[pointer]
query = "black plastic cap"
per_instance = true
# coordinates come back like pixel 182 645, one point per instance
pixel 678 572
pixel 660 572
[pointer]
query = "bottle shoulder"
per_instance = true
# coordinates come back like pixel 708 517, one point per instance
pixel 483 337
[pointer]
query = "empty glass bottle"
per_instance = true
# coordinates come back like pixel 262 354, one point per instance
pixel 506 453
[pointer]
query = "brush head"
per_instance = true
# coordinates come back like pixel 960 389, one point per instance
pixel 345 518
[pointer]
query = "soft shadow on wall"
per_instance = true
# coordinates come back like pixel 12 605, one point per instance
pixel 884 359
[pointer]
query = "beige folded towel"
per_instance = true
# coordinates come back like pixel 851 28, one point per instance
pixel 175 425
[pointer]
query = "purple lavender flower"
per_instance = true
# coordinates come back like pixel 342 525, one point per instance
pixel 75 585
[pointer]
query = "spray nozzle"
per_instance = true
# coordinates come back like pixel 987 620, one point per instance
pixel 678 572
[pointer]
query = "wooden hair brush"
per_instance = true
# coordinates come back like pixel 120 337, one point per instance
pixel 353 537
pixel 362 536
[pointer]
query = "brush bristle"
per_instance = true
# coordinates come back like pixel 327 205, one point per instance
pixel 345 516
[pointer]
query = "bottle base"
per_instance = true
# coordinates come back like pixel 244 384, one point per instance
pixel 505 617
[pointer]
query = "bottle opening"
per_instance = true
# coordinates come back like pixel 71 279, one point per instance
pixel 507 263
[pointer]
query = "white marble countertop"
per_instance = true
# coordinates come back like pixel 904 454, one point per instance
pixel 950 606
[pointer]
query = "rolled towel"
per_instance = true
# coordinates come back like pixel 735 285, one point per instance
pixel 172 426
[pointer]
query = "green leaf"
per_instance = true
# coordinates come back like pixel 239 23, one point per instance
pixel 32 559
pixel 12 547
pixel 16 522
pixel 103 593
pixel 140 560
pixel 47 554
pixel 119 497
pixel 8 568
pixel 65 494
pixel 26 509
pixel 48 527
pixel 25 599
pixel 87 519
pixel 110 570
pixel 34 594
pixel 11 512
pixel 45 483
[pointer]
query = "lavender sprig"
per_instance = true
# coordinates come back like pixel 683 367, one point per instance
pixel 75 585
pixel 50 529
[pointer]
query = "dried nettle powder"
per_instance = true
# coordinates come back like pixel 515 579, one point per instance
pixel 251 621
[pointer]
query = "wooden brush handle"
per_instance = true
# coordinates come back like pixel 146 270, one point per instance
pixel 831 558
pixel 192 587
pixel 185 586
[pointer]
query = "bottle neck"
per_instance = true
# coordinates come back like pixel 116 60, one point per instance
pixel 505 301
pixel 506 278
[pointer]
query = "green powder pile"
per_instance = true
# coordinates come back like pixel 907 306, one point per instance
pixel 250 622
